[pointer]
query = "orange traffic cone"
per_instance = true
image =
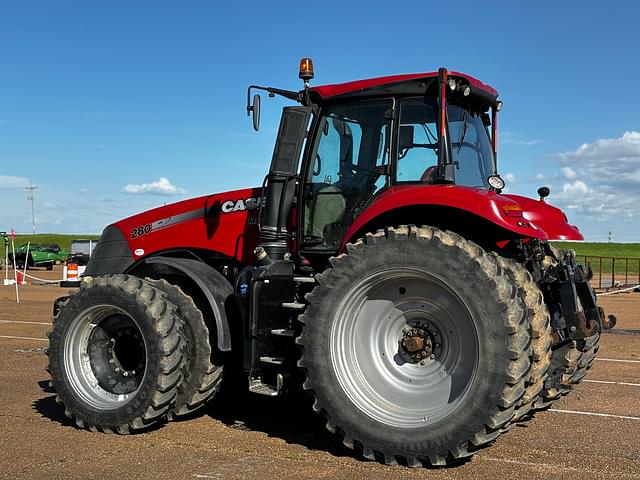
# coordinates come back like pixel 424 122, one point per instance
pixel 72 271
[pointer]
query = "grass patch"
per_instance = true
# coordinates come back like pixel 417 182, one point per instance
pixel 614 253
pixel 628 250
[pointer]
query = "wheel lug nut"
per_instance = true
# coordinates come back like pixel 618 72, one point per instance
pixel 422 362
pixel 126 374
pixel 432 357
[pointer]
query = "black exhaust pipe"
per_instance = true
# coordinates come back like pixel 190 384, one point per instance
pixel 281 184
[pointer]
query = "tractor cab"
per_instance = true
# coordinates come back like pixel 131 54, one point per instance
pixel 367 137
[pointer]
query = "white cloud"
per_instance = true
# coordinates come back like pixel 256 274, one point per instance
pixel 568 172
pixel 160 187
pixel 509 177
pixel 8 181
pixel 601 179
pixel 516 139
pixel 539 176
pixel 576 187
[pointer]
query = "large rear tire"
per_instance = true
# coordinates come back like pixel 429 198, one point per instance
pixel 116 354
pixel 569 364
pixel 416 346
pixel 203 373
pixel 541 334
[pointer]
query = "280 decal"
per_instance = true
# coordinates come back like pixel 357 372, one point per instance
pixel 141 230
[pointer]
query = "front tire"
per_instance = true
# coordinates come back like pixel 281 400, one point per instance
pixel 369 323
pixel 116 354
pixel 203 372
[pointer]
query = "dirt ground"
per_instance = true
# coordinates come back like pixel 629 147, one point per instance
pixel 592 433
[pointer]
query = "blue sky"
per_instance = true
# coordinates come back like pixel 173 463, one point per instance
pixel 113 107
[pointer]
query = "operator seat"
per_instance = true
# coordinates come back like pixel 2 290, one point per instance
pixel 326 207
pixel 429 175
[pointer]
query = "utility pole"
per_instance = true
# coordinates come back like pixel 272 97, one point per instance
pixel 31 196
pixel 609 234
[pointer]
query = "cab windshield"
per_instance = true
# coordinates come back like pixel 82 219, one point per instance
pixel 418 143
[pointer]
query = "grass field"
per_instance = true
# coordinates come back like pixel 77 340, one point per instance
pixel 613 253
pixel 630 250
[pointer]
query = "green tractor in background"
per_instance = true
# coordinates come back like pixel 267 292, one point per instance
pixel 39 256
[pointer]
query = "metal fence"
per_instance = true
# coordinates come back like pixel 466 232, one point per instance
pixel 612 272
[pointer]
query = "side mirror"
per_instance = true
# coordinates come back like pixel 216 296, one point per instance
pixel 255 110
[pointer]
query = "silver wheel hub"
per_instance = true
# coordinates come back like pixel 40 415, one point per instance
pixel 404 347
pixel 105 357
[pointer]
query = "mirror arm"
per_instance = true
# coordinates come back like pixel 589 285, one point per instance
pixel 297 96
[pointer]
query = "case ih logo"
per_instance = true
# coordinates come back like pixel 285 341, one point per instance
pixel 231 206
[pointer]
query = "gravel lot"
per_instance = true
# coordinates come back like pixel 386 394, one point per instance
pixel 592 433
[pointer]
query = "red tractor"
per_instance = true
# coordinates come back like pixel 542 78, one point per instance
pixel 379 267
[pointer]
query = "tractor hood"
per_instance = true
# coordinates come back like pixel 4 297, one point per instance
pixel 223 223
pixel 548 218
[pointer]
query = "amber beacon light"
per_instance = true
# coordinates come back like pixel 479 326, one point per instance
pixel 306 69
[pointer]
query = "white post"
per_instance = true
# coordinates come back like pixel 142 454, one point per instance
pixel 26 262
pixel 15 269
pixel 6 261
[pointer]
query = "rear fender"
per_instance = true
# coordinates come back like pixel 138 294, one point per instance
pixel 215 287
pixel 476 202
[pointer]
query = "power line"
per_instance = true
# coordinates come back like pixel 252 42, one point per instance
pixel 31 196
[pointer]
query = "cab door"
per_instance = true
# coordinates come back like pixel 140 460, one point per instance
pixel 347 166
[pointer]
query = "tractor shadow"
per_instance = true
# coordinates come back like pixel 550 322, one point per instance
pixel 289 417
pixel 48 408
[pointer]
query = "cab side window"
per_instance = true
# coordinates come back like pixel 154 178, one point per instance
pixel 417 142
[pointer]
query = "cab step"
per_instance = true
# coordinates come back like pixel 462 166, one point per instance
pixel 304 279
pixel 272 360
pixel 294 306
pixel 256 386
pixel 283 332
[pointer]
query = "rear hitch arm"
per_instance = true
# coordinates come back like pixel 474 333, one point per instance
pixel 577 301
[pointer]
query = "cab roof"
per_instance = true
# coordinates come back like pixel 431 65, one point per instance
pixel 394 84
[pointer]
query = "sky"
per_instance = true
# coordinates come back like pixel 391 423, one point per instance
pixel 114 107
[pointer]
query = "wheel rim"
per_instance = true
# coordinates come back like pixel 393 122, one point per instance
pixel 105 357
pixel 373 347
